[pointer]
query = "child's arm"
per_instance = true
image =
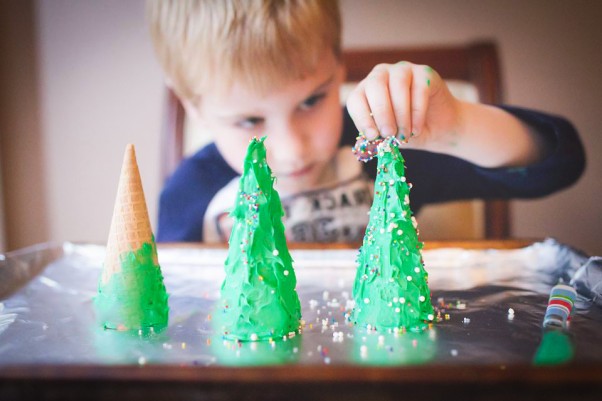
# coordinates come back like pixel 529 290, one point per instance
pixel 413 102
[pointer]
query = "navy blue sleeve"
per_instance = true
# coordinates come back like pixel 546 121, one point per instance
pixel 440 178
pixel 562 167
pixel 187 193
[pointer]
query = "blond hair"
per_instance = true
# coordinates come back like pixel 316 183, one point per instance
pixel 259 43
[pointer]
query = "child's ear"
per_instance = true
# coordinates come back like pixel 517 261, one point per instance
pixel 191 108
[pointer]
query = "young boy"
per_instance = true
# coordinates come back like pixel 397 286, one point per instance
pixel 249 68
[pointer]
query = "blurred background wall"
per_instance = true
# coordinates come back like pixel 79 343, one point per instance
pixel 79 81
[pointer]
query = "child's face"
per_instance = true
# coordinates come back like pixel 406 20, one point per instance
pixel 302 120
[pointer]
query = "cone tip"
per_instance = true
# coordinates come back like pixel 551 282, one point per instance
pixel 130 154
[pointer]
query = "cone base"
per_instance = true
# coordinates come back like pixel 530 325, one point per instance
pixel 134 298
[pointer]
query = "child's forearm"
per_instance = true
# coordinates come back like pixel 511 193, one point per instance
pixel 491 137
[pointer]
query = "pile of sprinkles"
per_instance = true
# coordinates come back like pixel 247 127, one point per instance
pixel 364 149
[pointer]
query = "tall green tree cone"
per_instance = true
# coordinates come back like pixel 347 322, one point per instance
pixel 258 296
pixel 390 288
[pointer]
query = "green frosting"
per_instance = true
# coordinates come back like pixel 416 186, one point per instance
pixel 134 298
pixel 555 349
pixel 390 288
pixel 258 297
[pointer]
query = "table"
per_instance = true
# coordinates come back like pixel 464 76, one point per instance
pixel 477 352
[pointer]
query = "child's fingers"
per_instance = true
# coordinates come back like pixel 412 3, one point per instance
pixel 400 81
pixel 392 100
pixel 359 110
pixel 421 83
pixel 377 93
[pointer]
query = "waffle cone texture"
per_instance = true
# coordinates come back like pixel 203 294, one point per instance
pixel 130 226
pixel 131 290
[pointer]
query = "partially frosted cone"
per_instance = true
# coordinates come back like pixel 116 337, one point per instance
pixel 130 226
pixel 131 292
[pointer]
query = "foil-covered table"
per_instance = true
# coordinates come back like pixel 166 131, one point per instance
pixel 489 302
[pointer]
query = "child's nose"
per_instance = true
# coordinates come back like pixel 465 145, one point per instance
pixel 288 144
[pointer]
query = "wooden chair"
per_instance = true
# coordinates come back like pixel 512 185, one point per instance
pixel 475 64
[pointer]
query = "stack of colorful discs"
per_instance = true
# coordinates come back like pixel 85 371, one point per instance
pixel 560 306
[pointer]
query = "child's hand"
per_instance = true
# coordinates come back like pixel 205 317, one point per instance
pixel 406 100
pixel 412 102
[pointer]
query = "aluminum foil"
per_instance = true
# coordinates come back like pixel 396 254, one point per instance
pixel 490 306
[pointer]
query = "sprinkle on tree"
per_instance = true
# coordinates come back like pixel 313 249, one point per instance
pixel 390 289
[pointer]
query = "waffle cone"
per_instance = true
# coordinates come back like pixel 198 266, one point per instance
pixel 130 226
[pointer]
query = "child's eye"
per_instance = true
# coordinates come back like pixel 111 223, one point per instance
pixel 312 101
pixel 250 122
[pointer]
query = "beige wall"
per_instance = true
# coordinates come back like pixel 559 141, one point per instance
pixel 100 88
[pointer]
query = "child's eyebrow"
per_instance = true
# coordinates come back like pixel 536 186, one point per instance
pixel 324 84
pixel 234 117
pixel 237 117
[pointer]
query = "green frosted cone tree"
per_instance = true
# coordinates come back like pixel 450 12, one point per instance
pixel 258 296
pixel 390 288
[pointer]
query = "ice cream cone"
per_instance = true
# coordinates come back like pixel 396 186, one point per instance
pixel 130 226
pixel 131 292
